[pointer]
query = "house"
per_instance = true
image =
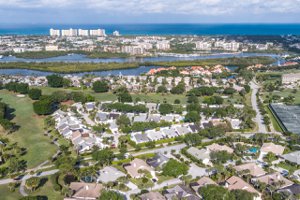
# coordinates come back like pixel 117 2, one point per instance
pixel 293 157
pixel 170 133
pixel 140 118
pixel 203 181
pixel 155 135
pixel 236 183
pixel 135 166
pixel 182 130
pixel 254 169
pixel 180 192
pixel 109 174
pixel 292 190
pixel 200 154
pixel 274 179
pixel 152 196
pixel 217 147
pixel 83 190
pixel 272 148
pixel 90 106
pixel 158 160
pixel 194 128
pixel 139 138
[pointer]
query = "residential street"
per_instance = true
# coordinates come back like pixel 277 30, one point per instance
pixel 177 147
pixel 259 118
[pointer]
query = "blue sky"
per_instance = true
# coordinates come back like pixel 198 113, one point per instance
pixel 148 11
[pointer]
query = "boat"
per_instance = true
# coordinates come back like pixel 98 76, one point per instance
pixel 1 56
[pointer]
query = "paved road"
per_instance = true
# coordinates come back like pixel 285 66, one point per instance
pixel 162 150
pixel 259 118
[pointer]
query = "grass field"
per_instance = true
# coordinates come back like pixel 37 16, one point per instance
pixel 30 134
pixel 274 121
pixel 5 194
pixel 45 190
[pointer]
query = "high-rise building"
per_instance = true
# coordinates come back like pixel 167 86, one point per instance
pixel 54 32
pixel 82 32
pixel 69 32
pixel 97 32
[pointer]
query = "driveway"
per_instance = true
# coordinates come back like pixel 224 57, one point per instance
pixel 195 171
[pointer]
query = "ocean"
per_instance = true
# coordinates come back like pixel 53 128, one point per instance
pixel 162 29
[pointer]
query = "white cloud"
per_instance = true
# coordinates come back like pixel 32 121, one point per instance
pixel 195 7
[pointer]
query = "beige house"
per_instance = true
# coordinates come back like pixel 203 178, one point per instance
pixel 203 181
pixel 254 169
pixel 272 148
pixel 152 196
pixel 86 191
pixel 236 183
pixel 217 147
pixel 134 167
pixel 275 179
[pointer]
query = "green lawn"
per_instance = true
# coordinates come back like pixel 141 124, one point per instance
pixel 5 194
pixel 30 134
pixel 48 190
pixel 288 167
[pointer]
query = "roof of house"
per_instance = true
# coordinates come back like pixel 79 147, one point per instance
pixel 182 130
pixel 273 178
pixel 217 147
pixel 152 196
pixel 273 148
pixel 236 183
pixel 200 154
pixel 109 174
pixel 180 192
pixel 85 190
pixel 254 169
pixel 141 138
pixel 293 157
pixel 294 189
pixel 203 181
pixel 194 128
pixel 136 165
pixel 158 160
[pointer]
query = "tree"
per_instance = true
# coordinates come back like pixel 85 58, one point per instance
pixel 220 157
pixel 247 88
pixel 165 108
pixel 43 107
pixel 174 168
pixel 22 88
pixel 241 194
pixel 100 86
pixel 35 93
pixel 104 156
pixel 214 192
pixel 55 80
pixel 123 121
pixel 192 116
pixel 179 89
pixel 32 183
pixel 161 89
pixel 110 195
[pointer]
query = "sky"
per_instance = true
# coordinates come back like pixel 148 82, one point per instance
pixel 148 11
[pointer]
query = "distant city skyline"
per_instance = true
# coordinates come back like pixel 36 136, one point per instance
pixel 148 11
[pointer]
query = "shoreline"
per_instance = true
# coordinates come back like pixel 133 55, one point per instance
pixel 65 68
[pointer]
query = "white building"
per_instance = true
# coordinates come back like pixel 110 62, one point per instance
pixel 97 32
pixel 69 32
pixel 54 32
pixel 133 50
pixel 116 33
pixel 290 78
pixel 163 45
pixel 82 32
pixel 51 47
pixel 205 46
